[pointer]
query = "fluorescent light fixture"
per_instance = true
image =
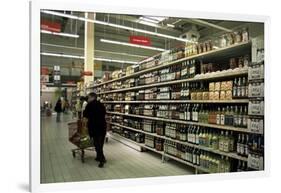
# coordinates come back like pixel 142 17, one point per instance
pixel 132 45
pixel 153 19
pixel 61 55
pixel 60 34
pixel 115 25
pixel 82 57
pixel 148 23
pixel 170 25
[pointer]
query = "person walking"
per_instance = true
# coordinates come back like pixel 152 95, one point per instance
pixel 58 109
pixel 95 113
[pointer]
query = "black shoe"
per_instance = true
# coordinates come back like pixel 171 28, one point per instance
pixel 101 165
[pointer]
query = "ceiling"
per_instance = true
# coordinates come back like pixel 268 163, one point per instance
pixel 75 46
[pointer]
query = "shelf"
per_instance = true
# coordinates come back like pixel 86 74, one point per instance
pixel 228 154
pixel 210 76
pixel 152 149
pixel 223 127
pixel 206 55
pixel 133 144
pixel 179 101
pixel 180 160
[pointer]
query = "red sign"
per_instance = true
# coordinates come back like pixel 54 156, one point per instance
pixel 141 40
pixel 44 71
pixel 87 73
pixel 50 26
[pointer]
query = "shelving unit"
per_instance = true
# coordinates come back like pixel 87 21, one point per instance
pixel 224 75
pixel 228 154
pixel 230 128
pixel 206 55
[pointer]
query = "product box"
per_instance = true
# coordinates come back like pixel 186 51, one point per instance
pixel 228 95
pixel 149 126
pixel 223 86
pixel 229 85
pixel 255 162
pixel 255 125
pixel 256 72
pixel 256 108
pixel 222 95
pixel 217 86
pixel 199 95
pixel 211 86
pixel 216 95
pixel 205 95
pixel 256 90
pixel 193 96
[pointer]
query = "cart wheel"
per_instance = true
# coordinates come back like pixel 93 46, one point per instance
pixel 82 156
pixel 73 153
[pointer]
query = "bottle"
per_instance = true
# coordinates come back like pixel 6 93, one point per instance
pixel 242 145
pixel 243 87
pixel 197 136
pixel 231 114
pixel 215 142
pixel 239 89
pixel 226 142
pixel 239 166
pixel 222 119
pixel 195 113
pixel 221 141
pixel 226 117
pixel 204 138
pixel 218 116
pixel 238 145
pixel 192 69
pixel 246 146
pixel 234 90
pixel 235 117
pixel 194 157
pixel 239 117
pixel 245 117
pixel 231 141
pixel 188 112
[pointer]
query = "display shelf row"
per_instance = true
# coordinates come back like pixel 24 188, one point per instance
pixel 162 153
pixel 210 76
pixel 221 51
pixel 230 128
pixel 232 155
pixel 239 101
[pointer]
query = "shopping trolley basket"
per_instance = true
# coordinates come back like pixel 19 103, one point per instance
pixel 78 135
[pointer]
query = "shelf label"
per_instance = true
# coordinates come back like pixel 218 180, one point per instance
pixel 256 90
pixel 256 108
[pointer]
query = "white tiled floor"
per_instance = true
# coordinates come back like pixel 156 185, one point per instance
pixel 58 165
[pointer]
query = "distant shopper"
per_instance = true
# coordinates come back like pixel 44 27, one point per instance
pixel 95 113
pixel 78 108
pixel 58 109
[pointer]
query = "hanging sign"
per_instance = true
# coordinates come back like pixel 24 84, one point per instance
pixel 50 26
pixel 87 73
pixel 141 40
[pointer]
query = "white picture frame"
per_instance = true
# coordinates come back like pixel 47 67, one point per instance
pixel 90 6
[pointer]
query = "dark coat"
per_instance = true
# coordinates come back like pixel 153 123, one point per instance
pixel 95 113
pixel 58 107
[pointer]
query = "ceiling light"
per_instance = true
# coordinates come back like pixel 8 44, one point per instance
pixel 60 34
pixel 82 57
pixel 132 45
pixel 115 25
pixel 170 25
pixel 148 23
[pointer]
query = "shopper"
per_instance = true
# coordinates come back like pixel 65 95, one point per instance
pixel 58 109
pixel 95 113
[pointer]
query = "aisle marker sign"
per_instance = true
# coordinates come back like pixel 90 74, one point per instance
pixel 56 73
pixel 141 40
pixel 50 26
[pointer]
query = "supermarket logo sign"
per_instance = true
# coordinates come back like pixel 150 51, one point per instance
pixel 141 40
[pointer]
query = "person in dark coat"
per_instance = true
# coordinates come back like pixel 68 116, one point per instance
pixel 95 113
pixel 58 109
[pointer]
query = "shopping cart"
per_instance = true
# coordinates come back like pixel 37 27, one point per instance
pixel 78 135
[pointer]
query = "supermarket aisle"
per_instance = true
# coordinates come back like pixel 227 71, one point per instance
pixel 58 165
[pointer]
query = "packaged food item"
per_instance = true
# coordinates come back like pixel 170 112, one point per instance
pixel 211 86
pixel 222 95
pixel 240 62
pixel 211 95
pixel 194 96
pixel 229 85
pixel 223 85
pixel 228 95
pixel 245 35
pixel 199 95
pixel 217 86
pixel 205 95
pixel 216 95
pixel 246 61
pixel 238 37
